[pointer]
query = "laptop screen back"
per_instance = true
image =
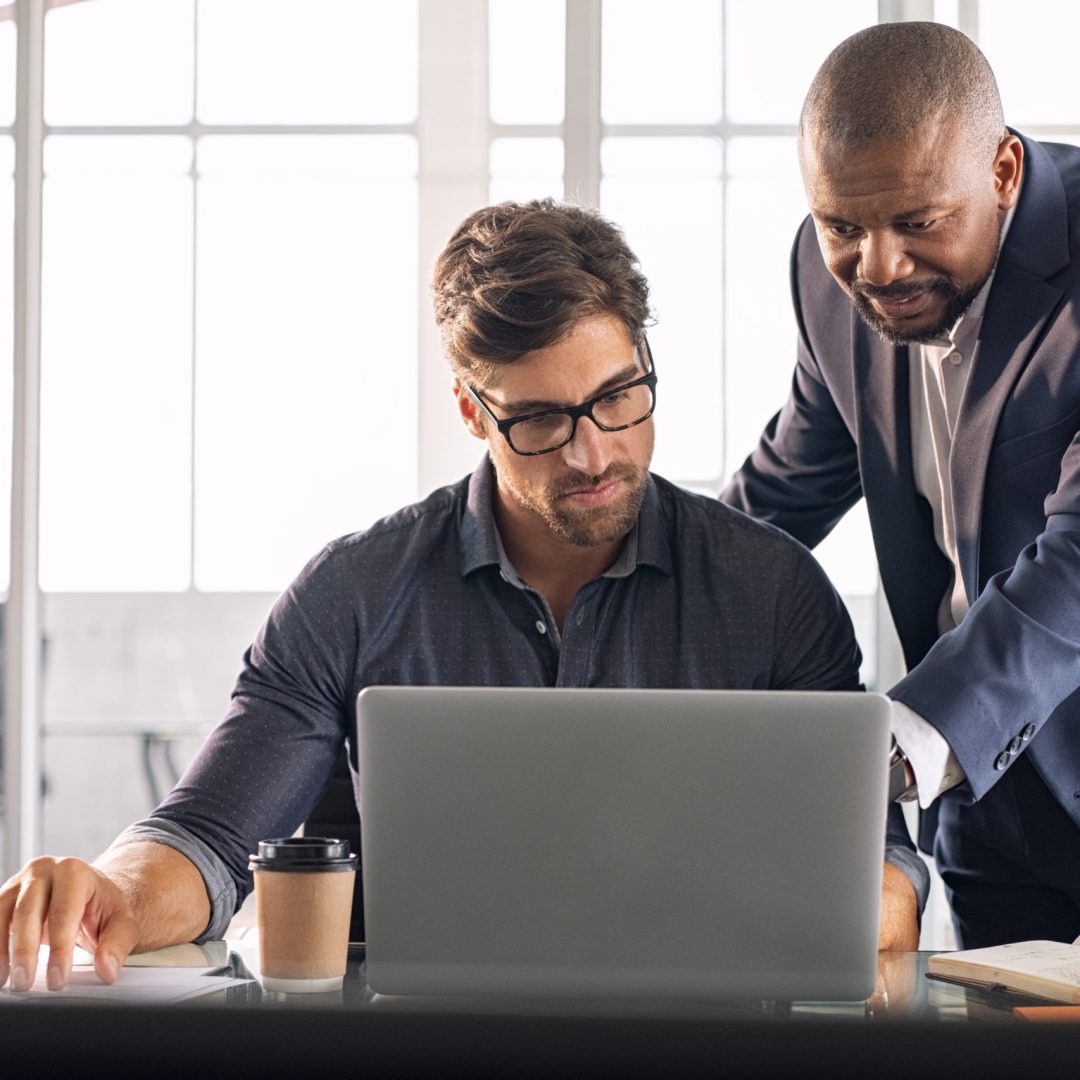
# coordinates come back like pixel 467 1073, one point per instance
pixel 658 844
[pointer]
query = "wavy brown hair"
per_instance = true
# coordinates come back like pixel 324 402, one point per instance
pixel 517 277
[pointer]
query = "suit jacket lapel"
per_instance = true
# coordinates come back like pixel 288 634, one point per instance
pixel 1019 303
pixel 1017 309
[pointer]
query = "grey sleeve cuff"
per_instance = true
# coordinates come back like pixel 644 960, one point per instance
pixel 910 864
pixel 220 887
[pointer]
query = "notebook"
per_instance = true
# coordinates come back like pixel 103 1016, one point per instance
pixel 658 845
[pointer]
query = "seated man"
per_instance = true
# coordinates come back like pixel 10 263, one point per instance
pixel 562 561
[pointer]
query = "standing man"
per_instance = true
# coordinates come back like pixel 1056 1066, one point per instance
pixel 562 561
pixel 936 285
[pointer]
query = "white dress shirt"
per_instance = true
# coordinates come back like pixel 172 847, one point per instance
pixel 938 373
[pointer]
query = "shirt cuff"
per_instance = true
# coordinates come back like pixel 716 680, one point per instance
pixel 220 887
pixel 930 756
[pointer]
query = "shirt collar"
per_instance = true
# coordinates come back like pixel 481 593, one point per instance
pixel 480 544
pixel 647 543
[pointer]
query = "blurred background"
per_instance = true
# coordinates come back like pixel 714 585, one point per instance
pixel 214 260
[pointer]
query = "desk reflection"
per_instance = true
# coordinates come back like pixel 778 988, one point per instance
pixel 902 992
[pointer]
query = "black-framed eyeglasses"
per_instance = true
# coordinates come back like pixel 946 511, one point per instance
pixel 617 409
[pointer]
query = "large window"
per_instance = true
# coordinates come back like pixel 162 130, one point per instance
pixel 229 353
pixel 230 287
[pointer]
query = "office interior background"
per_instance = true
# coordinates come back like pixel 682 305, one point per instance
pixel 217 220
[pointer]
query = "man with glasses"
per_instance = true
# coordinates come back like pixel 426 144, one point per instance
pixel 562 561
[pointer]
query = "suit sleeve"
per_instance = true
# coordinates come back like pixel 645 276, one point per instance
pixel 803 475
pixel 994 682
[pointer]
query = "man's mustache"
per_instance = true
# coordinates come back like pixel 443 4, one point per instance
pixel 898 290
pixel 579 481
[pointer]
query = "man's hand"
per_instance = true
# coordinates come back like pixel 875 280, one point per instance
pixel 61 903
pixel 140 896
pixel 899 930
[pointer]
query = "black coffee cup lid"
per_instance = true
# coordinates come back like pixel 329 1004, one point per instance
pixel 303 853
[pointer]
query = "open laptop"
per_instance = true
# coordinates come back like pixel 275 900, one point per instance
pixel 615 844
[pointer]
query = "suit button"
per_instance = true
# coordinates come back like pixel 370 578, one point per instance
pixel 1014 744
pixel 1029 730
pixel 1002 760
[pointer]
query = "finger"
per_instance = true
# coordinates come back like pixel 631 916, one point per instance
pixel 26 923
pixel 8 895
pixel 73 891
pixel 115 942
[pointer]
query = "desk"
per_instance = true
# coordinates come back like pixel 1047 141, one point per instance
pixel 915 1030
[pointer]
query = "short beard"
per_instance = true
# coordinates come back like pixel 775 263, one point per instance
pixel 592 527
pixel 957 301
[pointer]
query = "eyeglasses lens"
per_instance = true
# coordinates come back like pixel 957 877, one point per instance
pixel 621 409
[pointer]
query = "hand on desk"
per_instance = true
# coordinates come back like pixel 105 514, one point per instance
pixel 141 896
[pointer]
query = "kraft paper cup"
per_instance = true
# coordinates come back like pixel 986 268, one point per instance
pixel 303 899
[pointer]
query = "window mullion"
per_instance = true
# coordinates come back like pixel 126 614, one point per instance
pixel 23 618
pixel 453 133
pixel 582 123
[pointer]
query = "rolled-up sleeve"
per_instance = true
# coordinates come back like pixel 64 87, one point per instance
pixel 220 887
pixel 900 851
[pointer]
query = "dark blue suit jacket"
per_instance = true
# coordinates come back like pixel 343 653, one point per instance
pixel 845 432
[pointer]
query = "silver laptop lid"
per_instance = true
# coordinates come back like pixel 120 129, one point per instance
pixel 658 844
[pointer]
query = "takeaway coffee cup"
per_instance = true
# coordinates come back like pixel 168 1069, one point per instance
pixel 303 896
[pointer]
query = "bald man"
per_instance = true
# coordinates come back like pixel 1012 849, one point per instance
pixel 936 286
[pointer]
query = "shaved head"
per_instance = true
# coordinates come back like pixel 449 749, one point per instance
pixel 909 171
pixel 892 80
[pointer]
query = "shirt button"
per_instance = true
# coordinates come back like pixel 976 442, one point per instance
pixel 541 626
pixel 1014 744
pixel 956 358
pixel 1002 760
pixel 580 617
pixel 1028 732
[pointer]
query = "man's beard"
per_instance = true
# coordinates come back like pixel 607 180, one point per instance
pixel 591 526
pixel 957 301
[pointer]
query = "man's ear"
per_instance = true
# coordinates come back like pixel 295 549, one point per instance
pixel 1008 169
pixel 470 413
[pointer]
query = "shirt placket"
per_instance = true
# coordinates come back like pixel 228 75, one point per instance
pixel 579 630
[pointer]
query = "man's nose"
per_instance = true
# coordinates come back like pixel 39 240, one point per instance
pixel 590 450
pixel 883 258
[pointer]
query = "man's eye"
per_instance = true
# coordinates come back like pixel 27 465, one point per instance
pixel 842 230
pixel 614 398
pixel 918 226
pixel 539 421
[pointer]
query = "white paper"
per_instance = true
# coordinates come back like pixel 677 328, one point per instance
pixel 136 985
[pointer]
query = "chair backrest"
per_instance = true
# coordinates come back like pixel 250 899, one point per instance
pixel 335 814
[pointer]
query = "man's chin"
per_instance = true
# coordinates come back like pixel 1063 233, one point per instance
pixel 599 525
pixel 926 327
pixel 946 305
pixel 595 528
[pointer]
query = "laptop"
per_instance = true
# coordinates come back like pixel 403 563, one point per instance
pixel 659 845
